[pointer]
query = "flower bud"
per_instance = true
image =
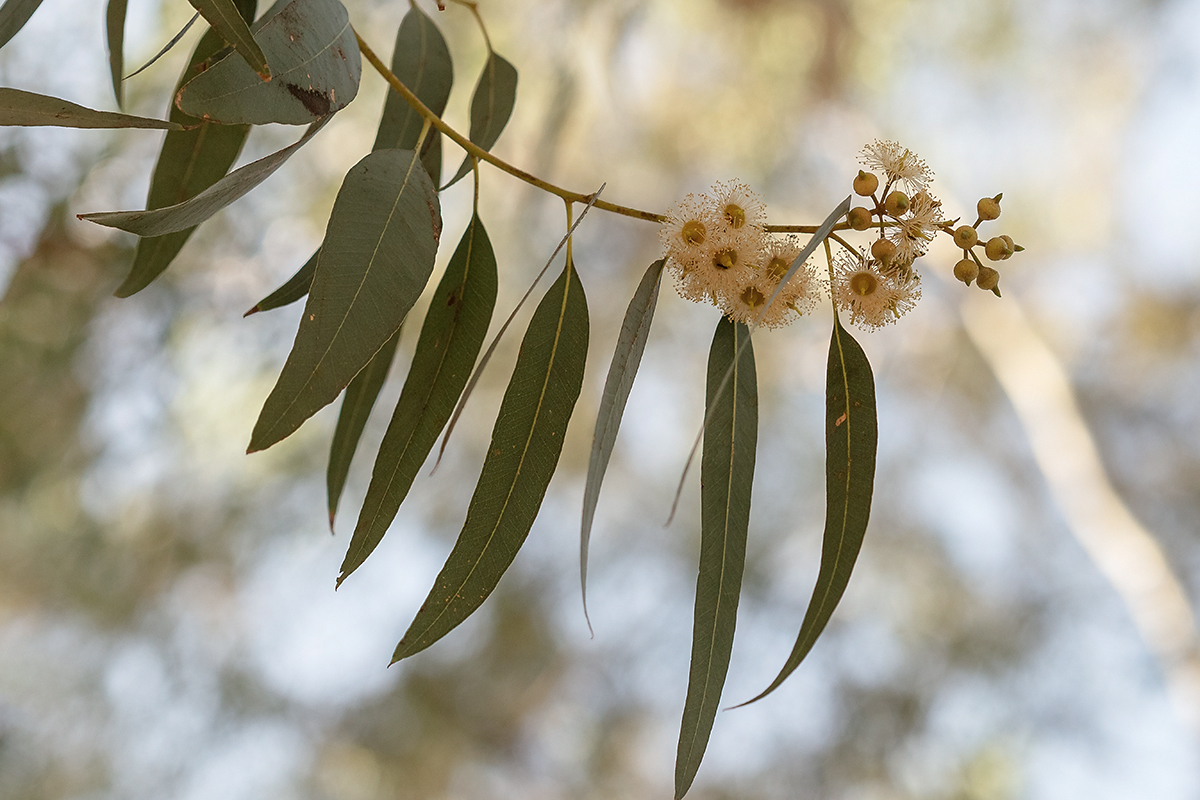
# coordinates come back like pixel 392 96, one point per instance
pixel 965 237
pixel 859 218
pixel 883 250
pixel 865 184
pixel 896 203
pixel 989 207
pixel 967 271
pixel 997 249
pixel 1011 247
pixel 988 278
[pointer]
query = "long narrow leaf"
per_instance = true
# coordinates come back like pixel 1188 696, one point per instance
pixel 491 106
pixel 292 289
pixel 360 398
pixel 316 62
pixel 375 260
pixel 450 339
pixel 13 16
pixel 19 107
pixel 526 443
pixel 727 475
pixel 166 48
pixel 487 354
pixel 190 213
pixel 421 60
pixel 224 18
pixel 114 28
pixel 189 162
pixel 851 436
pixel 631 342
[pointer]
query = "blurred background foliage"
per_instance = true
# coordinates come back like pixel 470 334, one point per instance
pixel 168 625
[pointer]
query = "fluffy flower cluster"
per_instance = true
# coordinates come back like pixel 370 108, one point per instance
pixel 719 252
pixel 870 292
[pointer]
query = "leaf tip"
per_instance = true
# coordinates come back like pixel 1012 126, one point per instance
pixel 253 310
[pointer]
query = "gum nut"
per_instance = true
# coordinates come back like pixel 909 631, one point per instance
pixel 966 271
pixel 988 208
pixel 859 218
pixel 995 248
pixel 896 203
pixel 883 250
pixel 988 278
pixel 865 184
pixel 965 237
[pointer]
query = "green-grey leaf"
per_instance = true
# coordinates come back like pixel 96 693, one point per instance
pixel 316 64
pixel 115 31
pixel 356 408
pixel 726 477
pixel 374 262
pixel 526 442
pixel 450 339
pixel 13 16
pixel 491 106
pixel 421 61
pixel 292 289
pixel 190 161
pixel 225 19
pixel 18 107
pixel 625 362
pixel 165 48
pixel 190 213
pixel 851 436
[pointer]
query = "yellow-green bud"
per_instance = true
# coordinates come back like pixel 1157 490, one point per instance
pixel 989 207
pixel 883 250
pixel 988 279
pixel 1011 246
pixel 997 249
pixel 965 237
pixel 865 184
pixel 967 271
pixel 896 203
pixel 859 218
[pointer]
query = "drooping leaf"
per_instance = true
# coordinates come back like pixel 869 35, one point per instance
pixel 225 19
pixel 316 65
pixel 491 106
pixel 189 162
pixel 13 16
pixel 526 442
pixel 851 436
pixel 292 289
pixel 356 408
pixel 19 107
pixel 726 477
pixel 450 339
pixel 374 262
pixel 190 213
pixel 635 329
pixel 166 48
pixel 487 354
pixel 114 19
pixel 422 62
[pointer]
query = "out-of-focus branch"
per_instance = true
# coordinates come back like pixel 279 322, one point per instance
pixel 1123 550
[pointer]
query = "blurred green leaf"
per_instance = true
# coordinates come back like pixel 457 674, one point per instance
pixel 422 62
pixel 374 262
pixel 190 213
pixel 526 442
pixel 114 26
pixel 851 436
pixel 726 479
pixel 13 16
pixel 316 66
pixel 225 19
pixel 631 342
pixel 356 408
pixel 292 289
pixel 491 106
pixel 450 339
pixel 190 161
pixel 18 107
